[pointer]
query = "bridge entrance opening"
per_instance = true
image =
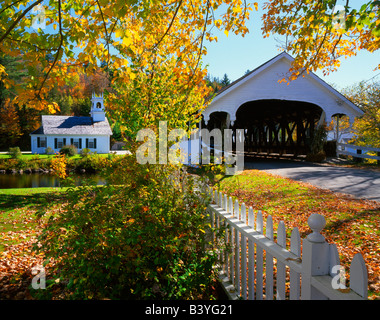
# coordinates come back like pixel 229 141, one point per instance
pixel 279 127
pixel 273 127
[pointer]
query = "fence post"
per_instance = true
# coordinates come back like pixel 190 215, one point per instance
pixel 358 159
pixel 315 258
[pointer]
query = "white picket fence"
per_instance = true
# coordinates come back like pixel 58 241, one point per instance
pixel 257 267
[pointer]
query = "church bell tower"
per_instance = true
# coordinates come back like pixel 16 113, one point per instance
pixel 97 108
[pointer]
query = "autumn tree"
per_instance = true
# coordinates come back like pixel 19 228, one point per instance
pixel 139 42
pixel 339 125
pixel 74 97
pixel 366 128
pixel 213 83
pixel 16 123
pixel 319 33
pixel 10 129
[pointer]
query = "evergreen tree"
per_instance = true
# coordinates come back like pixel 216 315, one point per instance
pixel 225 81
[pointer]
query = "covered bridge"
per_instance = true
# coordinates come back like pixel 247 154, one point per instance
pixel 277 117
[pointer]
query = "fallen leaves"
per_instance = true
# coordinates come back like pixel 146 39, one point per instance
pixel 16 264
pixel 19 229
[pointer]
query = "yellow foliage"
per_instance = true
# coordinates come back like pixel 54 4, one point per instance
pixel 59 164
pixel 154 49
pixel 318 37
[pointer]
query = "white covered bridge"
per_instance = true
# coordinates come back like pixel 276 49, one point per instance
pixel 277 117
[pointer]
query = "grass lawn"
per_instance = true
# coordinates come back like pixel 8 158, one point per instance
pixel 17 212
pixel 25 156
pixel 352 224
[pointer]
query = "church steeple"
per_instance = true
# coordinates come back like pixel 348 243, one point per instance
pixel 97 108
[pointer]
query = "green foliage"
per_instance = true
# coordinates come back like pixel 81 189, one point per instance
pixel 319 139
pixel 15 153
pixel 69 150
pixel 49 150
pixel 217 84
pixel 85 152
pixel 143 236
pixel 367 127
pixel 90 162
pixel 225 81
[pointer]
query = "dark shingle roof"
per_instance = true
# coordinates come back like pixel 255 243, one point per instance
pixel 73 125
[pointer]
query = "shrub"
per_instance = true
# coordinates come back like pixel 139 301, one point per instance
pixel 330 148
pixel 316 157
pixel 319 139
pixel 140 237
pixel 9 164
pixel 85 152
pixel 49 150
pixel 15 153
pixel 58 165
pixel 69 150
pixel 317 153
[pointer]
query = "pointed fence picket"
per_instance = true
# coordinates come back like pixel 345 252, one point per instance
pixel 255 266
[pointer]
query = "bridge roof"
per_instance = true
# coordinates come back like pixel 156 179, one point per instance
pixel 263 83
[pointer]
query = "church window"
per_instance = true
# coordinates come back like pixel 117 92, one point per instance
pixel 41 142
pixel 91 143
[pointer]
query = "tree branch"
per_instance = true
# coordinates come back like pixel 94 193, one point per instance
pixel 170 25
pixel 59 47
pixel 22 15
pixel 106 32
pixel 32 45
pixel 12 4
pixel 203 36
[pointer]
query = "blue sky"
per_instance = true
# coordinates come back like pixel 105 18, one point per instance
pixel 233 55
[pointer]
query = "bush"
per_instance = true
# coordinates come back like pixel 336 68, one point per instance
pixel 69 150
pixel 140 237
pixel 316 157
pixel 49 150
pixel 91 163
pixel 319 139
pixel 85 152
pixel 15 153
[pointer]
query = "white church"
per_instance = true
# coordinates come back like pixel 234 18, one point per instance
pixel 91 132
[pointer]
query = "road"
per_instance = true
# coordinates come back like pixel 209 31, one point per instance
pixel 360 183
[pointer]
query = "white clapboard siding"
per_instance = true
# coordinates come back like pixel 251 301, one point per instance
pixel 257 267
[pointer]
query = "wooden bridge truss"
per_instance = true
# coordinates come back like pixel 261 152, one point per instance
pixel 273 126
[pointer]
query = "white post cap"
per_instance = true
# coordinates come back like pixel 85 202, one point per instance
pixel 316 223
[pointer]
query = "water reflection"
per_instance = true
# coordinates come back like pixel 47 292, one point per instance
pixel 36 180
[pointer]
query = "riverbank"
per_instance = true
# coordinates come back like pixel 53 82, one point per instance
pixel 29 163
